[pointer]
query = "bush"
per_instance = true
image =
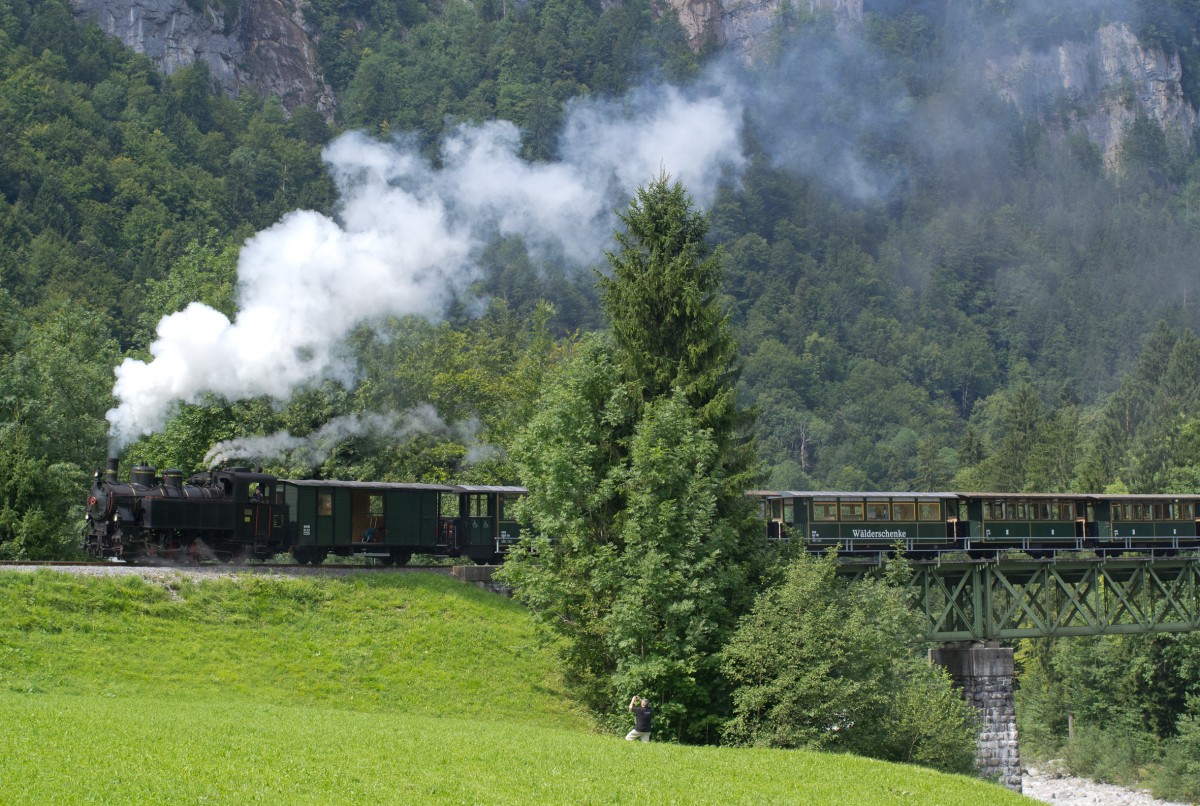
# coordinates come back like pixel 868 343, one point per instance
pixel 825 663
pixel 1179 778
pixel 1109 756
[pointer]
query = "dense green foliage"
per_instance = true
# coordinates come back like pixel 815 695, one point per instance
pixel 413 69
pixel 826 662
pixel 110 175
pixel 1131 701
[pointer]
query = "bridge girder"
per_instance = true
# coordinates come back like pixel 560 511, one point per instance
pixel 1008 599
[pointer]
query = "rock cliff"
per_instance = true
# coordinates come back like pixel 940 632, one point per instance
pixel 742 24
pixel 1098 86
pixel 266 45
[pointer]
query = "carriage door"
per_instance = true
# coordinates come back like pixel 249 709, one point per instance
pixel 480 519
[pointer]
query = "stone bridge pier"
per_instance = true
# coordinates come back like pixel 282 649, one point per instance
pixel 984 673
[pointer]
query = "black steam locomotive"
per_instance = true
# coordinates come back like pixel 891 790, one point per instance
pixel 223 514
pixel 239 513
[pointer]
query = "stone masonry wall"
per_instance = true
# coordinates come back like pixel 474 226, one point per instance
pixel 984 673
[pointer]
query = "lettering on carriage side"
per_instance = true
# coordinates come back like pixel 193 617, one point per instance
pixel 886 533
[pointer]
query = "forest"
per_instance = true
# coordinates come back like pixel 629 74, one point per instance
pixel 997 305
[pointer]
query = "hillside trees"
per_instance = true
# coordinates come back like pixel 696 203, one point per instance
pixel 54 381
pixel 109 170
pixel 1133 701
pixel 423 73
pixel 636 461
pixel 110 175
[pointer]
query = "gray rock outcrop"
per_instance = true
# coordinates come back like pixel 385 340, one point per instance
pixel 1098 86
pixel 266 45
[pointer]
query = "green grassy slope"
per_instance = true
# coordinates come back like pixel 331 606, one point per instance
pixel 396 689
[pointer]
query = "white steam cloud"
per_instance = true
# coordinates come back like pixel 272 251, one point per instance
pixel 406 236
pixel 312 449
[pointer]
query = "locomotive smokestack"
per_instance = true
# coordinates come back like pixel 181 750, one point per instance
pixel 110 470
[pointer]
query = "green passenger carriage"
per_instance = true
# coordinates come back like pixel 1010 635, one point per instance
pixel 1031 522
pixel 983 524
pixel 1165 522
pixel 390 522
pixel 866 522
pixel 387 521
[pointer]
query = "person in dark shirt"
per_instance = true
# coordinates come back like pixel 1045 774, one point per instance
pixel 641 717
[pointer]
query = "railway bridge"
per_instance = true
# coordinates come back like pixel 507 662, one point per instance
pixel 971 606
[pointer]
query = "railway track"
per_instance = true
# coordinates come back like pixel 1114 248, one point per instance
pixel 285 569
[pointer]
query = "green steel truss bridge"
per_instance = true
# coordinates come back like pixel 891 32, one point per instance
pixel 1005 599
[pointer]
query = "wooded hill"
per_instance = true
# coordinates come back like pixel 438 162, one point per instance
pixel 1015 314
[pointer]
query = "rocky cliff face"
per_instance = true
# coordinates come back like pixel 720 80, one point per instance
pixel 742 24
pixel 266 45
pixel 1098 86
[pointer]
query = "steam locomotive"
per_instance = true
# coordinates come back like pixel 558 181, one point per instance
pixel 242 513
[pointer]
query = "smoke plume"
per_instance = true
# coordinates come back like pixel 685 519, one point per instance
pixel 405 238
pixel 313 449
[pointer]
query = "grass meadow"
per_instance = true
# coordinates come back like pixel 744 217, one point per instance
pixel 406 688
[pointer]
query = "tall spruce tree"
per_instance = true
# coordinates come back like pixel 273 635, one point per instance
pixel 662 303
pixel 642 538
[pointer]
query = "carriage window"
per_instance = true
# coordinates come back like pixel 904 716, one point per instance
pixel 929 510
pixel 375 506
pixel 993 510
pixel 788 509
pixel 1067 510
pixel 904 511
pixel 505 502
pixel 324 503
pixel 1119 513
pixel 877 511
pixel 824 510
pixel 1019 511
pixel 1158 511
pixel 852 510
pixel 776 510
pixel 1187 510
pixel 1141 511
pixel 478 506
pixel 1042 510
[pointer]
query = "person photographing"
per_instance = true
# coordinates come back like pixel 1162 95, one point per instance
pixel 641 709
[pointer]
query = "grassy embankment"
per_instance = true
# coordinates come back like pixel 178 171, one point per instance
pixel 397 689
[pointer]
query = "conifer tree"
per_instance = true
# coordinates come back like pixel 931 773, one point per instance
pixel 662 302
pixel 642 540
